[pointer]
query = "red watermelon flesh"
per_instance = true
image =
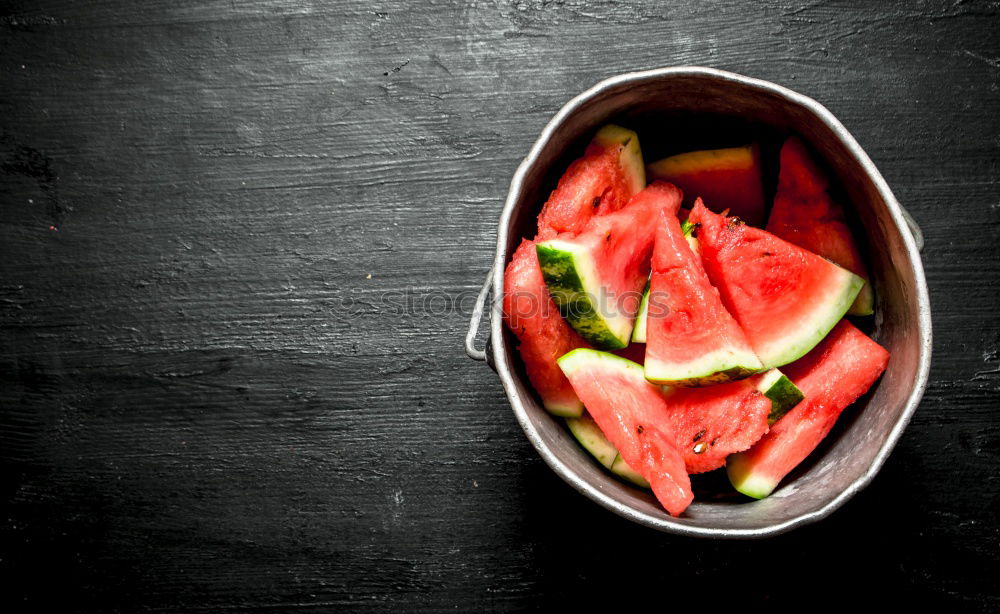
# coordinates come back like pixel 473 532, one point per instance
pixel 806 215
pixel 832 376
pixel 630 411
pixel 709 424
pixel 543 334
pixel 785 298
pixel 724 178
pixel 691 339
pixel 600 182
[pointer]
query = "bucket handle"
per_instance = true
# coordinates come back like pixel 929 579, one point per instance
pixel 474 322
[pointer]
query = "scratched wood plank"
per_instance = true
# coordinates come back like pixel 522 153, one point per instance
pixel 238 242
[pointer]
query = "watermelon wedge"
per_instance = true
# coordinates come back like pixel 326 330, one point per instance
pixel 602 181
pixel 691 340
pixel 596 277
pixel 542 333
pixel 785 298
pixel 725 178
pixel 629 410
pixel 806 215
pixel 711 423
pixel 639 330
pixel 832 376
pixel 590 436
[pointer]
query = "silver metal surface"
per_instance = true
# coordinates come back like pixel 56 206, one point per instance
pixel 902 317
pixel 477 315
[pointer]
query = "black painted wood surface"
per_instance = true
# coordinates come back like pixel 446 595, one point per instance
pixel 232 234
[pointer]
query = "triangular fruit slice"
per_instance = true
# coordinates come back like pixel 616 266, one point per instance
pixel 806 215
pixel 596 277
pixel 590 436
pixel 543 334
pixel 630 411
pixel 725 178
pixel 639 330
pixel 785 298
pixel 691 340
pixel 838 371
pixel 603 180
pixel 711 423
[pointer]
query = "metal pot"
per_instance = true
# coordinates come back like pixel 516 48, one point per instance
pixel 902 321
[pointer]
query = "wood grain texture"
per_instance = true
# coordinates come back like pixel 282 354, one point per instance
pixel 206 404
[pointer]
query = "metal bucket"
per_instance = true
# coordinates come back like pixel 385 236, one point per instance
pixel 902 321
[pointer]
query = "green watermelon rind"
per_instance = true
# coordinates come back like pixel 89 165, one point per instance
pixel 623 470
pixel 592 439
pixel 630 158
pixel 842 290
pixel 716 367
pixel 564 410
pixel 782 392
pixel 574 286
pixel 579 358
pixel 639 330
pixel 744 480
pixel 864 304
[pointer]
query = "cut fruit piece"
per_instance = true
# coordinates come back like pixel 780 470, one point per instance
pixel 543 334
pixel 596 277
pixel 590 436
pixel 725 178
pixel 806 215
pixel 783 392
pixel 691 340
pixel 629 410
pixel 832 376
pixel 626 142
pixel 785 298
pixel 639 330
pixel 711 423
pixel 602 181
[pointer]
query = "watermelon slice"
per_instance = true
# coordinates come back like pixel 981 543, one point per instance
pixel 711 423
pixel 596 277
pixel 832 376
pixel 593 440
pixel 691 339
pixel 639 330
pixel 724 178
pixel 629 411
pixel 542 333
pixel 603 180
pixel 806 215
pixel 785 298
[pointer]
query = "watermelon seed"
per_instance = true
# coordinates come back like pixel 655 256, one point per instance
pixel 639 429
pixel 699 447
pixel 597 202
pixel 700 434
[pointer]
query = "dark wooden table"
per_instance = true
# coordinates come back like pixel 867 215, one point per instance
pixel 232 239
